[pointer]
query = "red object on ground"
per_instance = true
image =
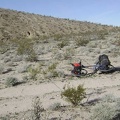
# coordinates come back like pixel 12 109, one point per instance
pixel 76 64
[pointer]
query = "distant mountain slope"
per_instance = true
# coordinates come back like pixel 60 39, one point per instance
pixel 15 24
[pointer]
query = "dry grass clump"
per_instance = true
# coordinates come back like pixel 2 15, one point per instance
pixel 4 47
pixel 7 117
pixel 68 53
pixel 117 42
pixel 103 111
pixel 43 71
pixel 81 42
pixel 107 109
pixel 64 54
pixel 51 71
pixel 55 106
pixel 1 69
pixel 58 37
pixel 33 72
pixel 37 109
pixel 62 44
pixel 102 34
pixel 32 57
pixel 11 81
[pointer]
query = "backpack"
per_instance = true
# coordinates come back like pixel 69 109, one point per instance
pixel 103 62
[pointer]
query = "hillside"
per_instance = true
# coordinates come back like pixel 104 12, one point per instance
pixel 16 24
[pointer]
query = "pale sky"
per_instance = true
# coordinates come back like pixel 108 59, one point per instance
pixel 98 11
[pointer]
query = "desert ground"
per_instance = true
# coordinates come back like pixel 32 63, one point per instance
pixel 43 89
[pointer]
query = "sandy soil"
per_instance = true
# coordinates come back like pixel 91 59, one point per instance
pixel 17 102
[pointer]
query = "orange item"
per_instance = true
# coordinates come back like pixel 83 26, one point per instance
pixel 76 64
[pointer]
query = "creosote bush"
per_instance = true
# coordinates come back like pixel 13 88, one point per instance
pixel 74 95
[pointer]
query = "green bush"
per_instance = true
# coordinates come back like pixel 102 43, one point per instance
pixel 74 95
pixel 11 81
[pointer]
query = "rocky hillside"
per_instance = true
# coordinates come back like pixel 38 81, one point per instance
pixel 16 24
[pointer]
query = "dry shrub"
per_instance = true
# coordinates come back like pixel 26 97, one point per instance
pixel 117 42
pixel 4 47
pixel 103 111
pixel 51 71
pixel 62 44
pixel 37 109
pixel 1 69
pixel 107 109
pixel 34 72
pixel 11 81
pixel 26 47
pixel 69 53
